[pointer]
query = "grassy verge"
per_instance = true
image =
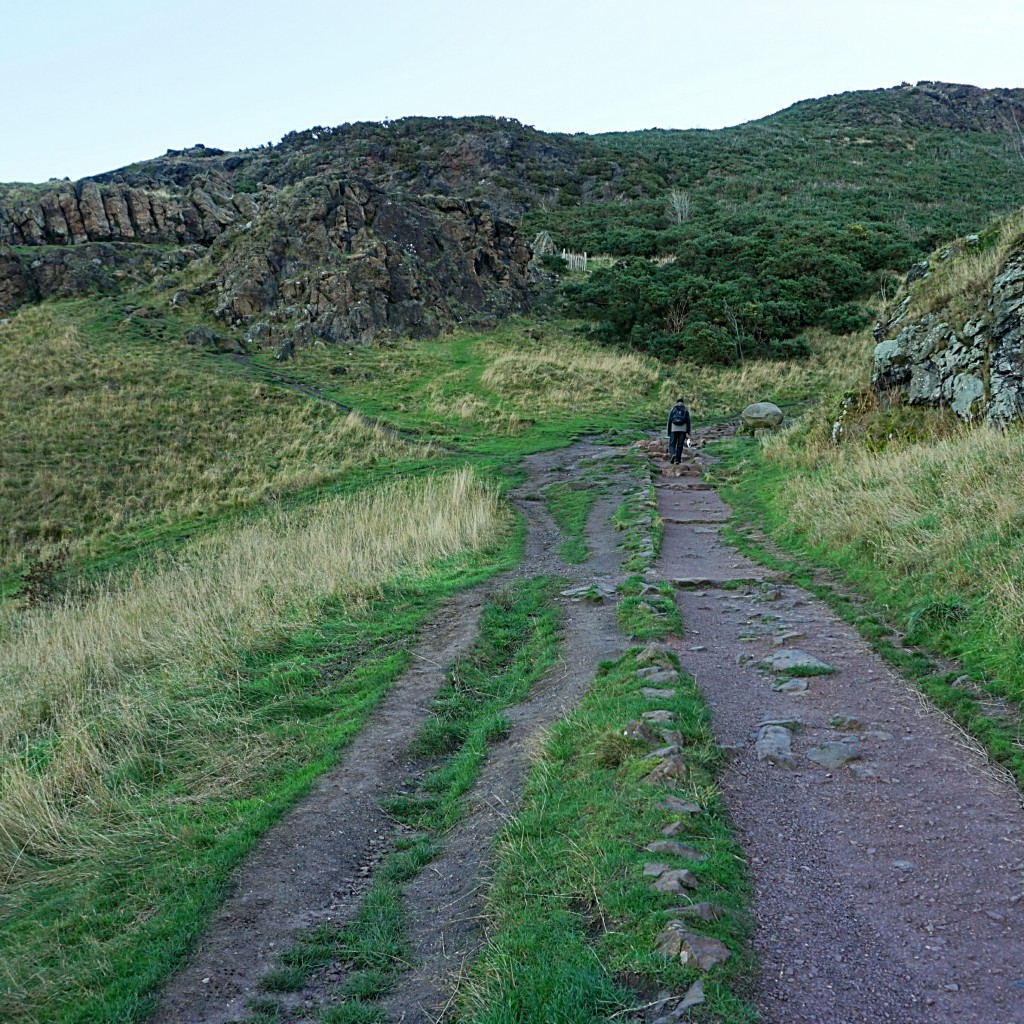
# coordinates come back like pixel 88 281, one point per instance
pixel 570 507
pixel 647 611
pixel 927 538
pixel 573 919
pixel 518 643
pixel 128 799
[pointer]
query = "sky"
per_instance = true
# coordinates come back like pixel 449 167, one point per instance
pixel 90 87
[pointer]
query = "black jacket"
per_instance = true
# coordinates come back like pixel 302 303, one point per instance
pixel 686 422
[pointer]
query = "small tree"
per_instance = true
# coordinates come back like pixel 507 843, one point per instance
pixel 677 206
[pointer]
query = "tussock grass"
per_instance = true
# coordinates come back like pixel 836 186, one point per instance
pixel 570 376
pixel 837 364
pixel 959 285
pixel 933 530
pixel 94 691
pixel 107 433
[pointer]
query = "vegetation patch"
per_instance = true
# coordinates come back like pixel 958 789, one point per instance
pixel 137 432
pixel 152 733
pixel 570 507
pixel 573 920
pixel 518 644
pixel 647 611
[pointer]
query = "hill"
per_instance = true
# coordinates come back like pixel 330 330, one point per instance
pixel 407 226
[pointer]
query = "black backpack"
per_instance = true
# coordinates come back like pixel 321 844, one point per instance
pixel 679 415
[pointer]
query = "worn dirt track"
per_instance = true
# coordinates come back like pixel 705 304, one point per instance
pixel 887 889
pixel 314 866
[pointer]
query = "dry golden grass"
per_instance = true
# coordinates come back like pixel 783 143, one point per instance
pixel 90 688
pixel 837 364
pixel 105 437
pixel 570 375
pixel 944 515
pixel 959 286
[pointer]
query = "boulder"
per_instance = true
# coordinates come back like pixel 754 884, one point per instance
pixel 763 415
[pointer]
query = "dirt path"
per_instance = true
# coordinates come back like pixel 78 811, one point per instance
pixel 887 888
pixel 315 865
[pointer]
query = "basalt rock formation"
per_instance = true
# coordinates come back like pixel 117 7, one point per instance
pixel 973 366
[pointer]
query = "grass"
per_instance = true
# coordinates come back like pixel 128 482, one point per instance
pixel 572 919
pixel 518 643
pixel 153 733
pixel 569 507
pixel 647 611
pixel 138 431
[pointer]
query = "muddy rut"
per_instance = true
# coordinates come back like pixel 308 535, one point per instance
pixel 315 865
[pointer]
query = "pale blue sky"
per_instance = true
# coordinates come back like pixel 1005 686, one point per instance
pixel 88 87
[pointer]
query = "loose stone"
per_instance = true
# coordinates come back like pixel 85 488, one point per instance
pixel 675 849
pixel 678 805
pixel 796 663
pixel 653 869
pixel 671 770
pixel 833 755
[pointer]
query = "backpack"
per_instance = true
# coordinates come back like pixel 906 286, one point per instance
pixel 679 415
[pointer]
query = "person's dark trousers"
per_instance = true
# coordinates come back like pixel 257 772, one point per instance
pixel 675 445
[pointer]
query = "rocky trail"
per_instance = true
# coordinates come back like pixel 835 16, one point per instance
pixel 887 858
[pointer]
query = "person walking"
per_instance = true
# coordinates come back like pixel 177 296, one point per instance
pixel 678 430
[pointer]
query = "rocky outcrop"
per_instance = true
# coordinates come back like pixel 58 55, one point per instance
pixel 342 261
pixel 77 213
pixel 90 268
pixel 976 368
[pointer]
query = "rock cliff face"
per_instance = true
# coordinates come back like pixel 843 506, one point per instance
pixel 343 260
pixel 337 259
pixel 975 367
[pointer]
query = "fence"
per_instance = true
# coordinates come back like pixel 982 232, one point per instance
pixel 575 260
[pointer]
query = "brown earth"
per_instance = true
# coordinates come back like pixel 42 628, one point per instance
pixel 887 887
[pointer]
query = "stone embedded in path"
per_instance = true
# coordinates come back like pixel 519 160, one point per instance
pixel 596 591
pixel 775 744
pixel 659 717
pixel 847 723
pixel 676 940
pixel 653 654
pixel 654 869
pixel 677 805
pixel 676 881
pixel 791 686
pixel 833 755
pixel 668 846
pixel 652 693
pixel 661 752
pixel 705 911
pixel 671 770
pixel 796 662
pixel 640 731
pixel 655 674
pixel 694 997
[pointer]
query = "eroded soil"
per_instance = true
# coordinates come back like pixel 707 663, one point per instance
pixel 888 880
pixel 887 887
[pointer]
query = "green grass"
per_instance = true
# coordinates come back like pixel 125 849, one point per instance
pixel 570 507
pixel 517 645
pixel 647 611
pixel 91 941
pixel 573 920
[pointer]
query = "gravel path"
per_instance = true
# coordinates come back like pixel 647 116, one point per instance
pixel 889 879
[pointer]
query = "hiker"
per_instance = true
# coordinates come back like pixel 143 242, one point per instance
pixel 678 430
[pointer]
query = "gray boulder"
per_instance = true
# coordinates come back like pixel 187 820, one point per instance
pixel 762 415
